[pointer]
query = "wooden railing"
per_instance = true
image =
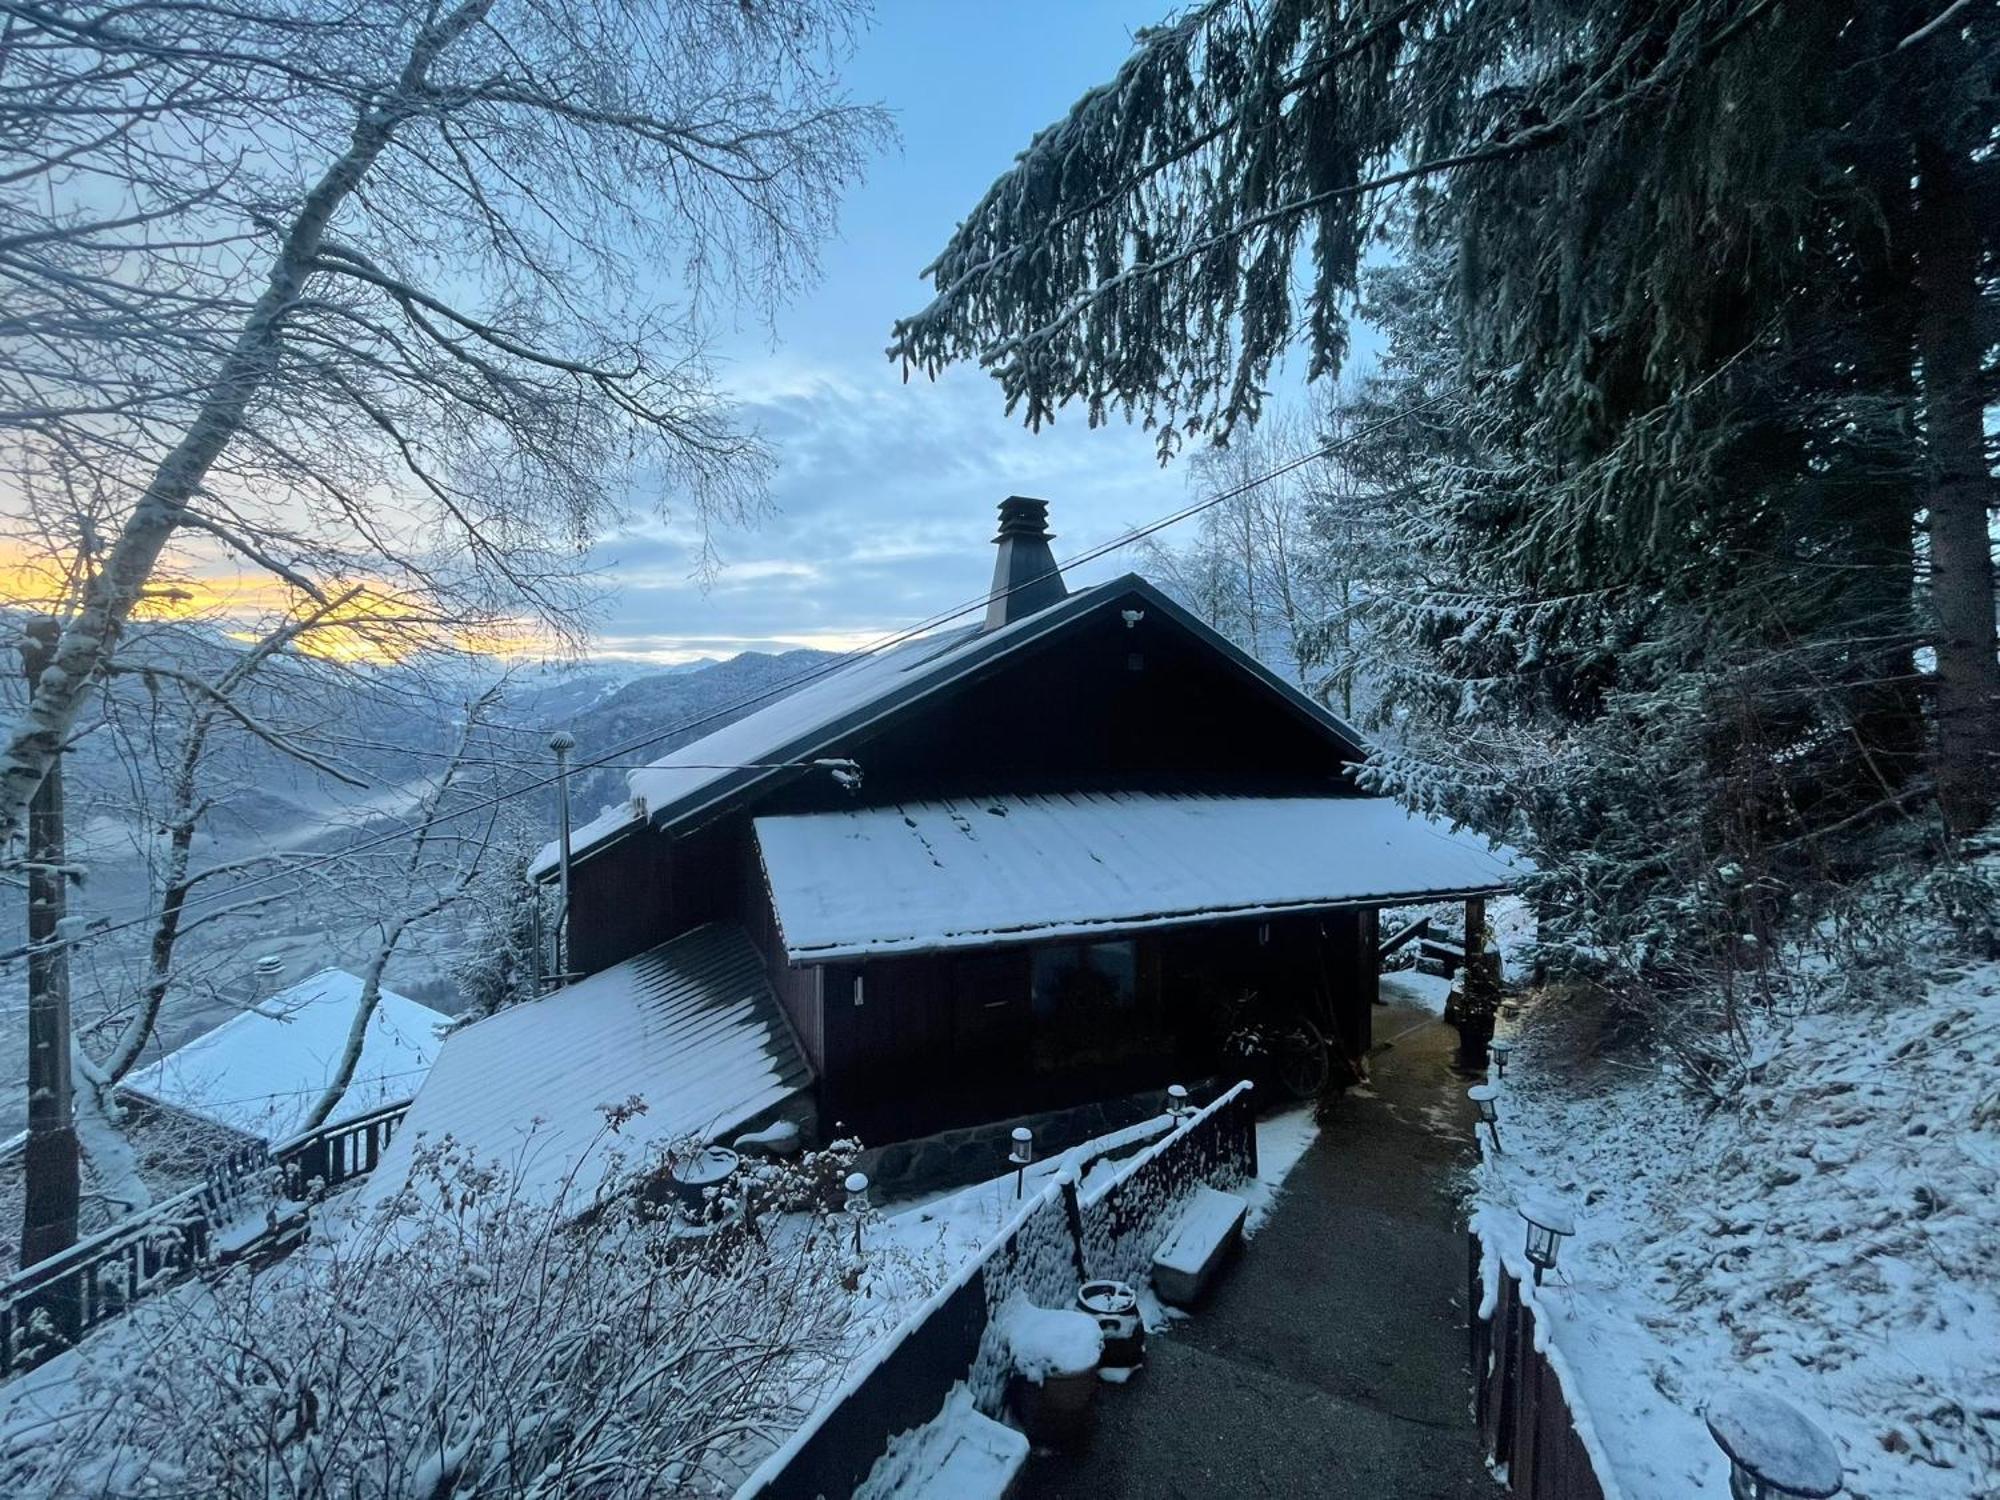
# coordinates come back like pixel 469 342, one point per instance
pixel 45 1308
pixel 333 1154
pixel 1421 928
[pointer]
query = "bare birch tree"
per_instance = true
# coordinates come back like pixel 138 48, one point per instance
pixel 423 285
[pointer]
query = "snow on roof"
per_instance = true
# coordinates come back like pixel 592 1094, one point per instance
pixel 974 871
pixel 691 1028
pixel 761 736
pixel 801 723
pixel 262 1071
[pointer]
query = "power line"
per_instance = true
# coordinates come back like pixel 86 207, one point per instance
pixel 611 758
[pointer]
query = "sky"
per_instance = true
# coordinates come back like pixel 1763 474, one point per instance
pixel 885 493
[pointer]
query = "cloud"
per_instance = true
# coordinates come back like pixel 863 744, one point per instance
pixel 883 515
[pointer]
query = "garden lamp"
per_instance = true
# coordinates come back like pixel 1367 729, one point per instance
pixel 1775 1451
pixel 1486 1098
pixel 1549 1225
pixel 1022 1153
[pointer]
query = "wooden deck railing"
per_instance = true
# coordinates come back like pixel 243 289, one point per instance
pixel 333 1154
pixel 45 1308
pixel 1421 928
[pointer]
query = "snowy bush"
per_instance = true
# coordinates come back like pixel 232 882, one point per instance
pixel 458 1342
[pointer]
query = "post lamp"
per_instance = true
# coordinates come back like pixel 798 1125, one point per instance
pixel 1486 1098
pixel 1500 1049
pixel 1178 1108
pixel 857 1203
pixel 1775 1451
pixel 1022 1152
pixel 1549 1224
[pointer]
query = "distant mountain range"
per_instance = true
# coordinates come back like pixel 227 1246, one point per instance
pixel 388 726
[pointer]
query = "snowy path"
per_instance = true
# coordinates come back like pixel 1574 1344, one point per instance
pixel 1330 1359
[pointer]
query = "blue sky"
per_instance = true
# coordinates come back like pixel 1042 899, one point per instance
pixel 885 492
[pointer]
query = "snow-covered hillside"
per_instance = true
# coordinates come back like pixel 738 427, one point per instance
pixel 1819 1217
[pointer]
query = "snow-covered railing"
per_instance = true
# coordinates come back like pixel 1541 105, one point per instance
pixel 1044 1252
pixel 334 1154
pixel 45 1308
pixel 1421 928
pixel 1538 1437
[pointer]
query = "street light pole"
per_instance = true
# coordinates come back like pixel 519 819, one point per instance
pixel 49 1158
pixel 562 742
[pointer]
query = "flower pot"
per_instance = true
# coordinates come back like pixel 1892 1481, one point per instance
pixel 695 1178
pixel 1116 1308
pixel 1056 1410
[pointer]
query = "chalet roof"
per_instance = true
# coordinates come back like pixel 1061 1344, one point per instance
pixel 261 1072
pixel 691 1029
pixel 699 779
pixel 978 871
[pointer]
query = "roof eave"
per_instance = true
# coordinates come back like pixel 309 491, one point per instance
pixel 1112 928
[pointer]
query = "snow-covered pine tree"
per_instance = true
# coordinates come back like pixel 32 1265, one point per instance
pixel 496 965
pixel 1716 259
pixel 1689 738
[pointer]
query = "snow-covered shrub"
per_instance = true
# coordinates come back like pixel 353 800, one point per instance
pixel 460 1342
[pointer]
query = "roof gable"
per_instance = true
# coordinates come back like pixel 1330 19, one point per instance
pixel 734 764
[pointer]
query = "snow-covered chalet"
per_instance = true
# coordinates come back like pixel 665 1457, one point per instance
pixel 1078 827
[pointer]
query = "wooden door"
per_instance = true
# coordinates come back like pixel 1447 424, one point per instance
pixel 990 1034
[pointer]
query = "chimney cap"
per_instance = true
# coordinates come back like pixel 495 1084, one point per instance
pixel 1023 515
pixel 1025 575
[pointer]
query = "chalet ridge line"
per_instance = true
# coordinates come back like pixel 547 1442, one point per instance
pixel 934 671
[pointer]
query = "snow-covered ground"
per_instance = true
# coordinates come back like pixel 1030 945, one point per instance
pixel 907 1256
pixel 1821 1222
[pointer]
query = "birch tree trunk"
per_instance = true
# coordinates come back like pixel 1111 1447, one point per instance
pixel 1959 491
pixel 111 593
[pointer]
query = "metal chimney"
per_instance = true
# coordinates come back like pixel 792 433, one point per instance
pixel 269 976
pixel 1025 576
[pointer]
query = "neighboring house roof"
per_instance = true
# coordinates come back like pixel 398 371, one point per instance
pixel 978 871
pixel 262 1072
pixel 698 779
pixel 690 1028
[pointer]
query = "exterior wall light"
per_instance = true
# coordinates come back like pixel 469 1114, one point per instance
pixel 1500 1049
pixel 857 1203
pixel 1022 1152
pixel 1775 1451
pixel 1486 1099
pixel 1549 1224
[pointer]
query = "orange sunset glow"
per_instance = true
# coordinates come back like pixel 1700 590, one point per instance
pixel 377 626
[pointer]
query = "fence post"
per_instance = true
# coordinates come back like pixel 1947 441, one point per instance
pixel 1073 1213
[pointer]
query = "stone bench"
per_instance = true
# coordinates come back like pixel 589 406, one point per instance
pixel 1196 1245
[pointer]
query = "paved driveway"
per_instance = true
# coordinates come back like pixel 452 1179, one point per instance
pixel 1330 1358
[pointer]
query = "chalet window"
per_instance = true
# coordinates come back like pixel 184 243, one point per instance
pixel 1087 1007
pixel 1086 976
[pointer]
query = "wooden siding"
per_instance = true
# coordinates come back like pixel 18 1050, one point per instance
pixel 1103 705
pixel 799 990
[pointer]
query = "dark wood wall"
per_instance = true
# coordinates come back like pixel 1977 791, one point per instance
pixel 1104 706
pixel 939 1040
pixel 652 887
